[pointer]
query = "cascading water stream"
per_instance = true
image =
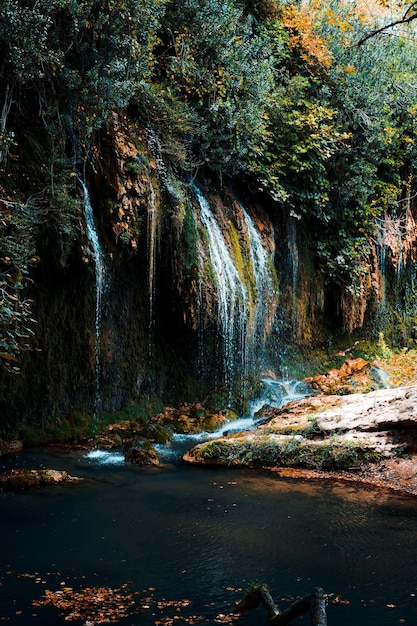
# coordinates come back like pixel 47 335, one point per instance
pixel 152 217
pixel 272 393
pixel 231 292
pixel 266 294
pixel 245 314
pixel 100 285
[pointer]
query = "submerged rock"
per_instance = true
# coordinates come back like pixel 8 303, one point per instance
pixel 116 435
pixel 141 452
pixel 25 479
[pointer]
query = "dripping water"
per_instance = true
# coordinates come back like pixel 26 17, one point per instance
pixel 100 285
pixel 155 147
pixel 232 294
pixel 152 216
pixel 266 295
pixel 294 265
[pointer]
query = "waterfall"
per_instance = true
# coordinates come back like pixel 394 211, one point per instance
pixel 152 217
pixel 266 292
pixel 233 303
pixel 100 284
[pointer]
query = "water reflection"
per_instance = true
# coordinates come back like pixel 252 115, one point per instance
pixel 200 533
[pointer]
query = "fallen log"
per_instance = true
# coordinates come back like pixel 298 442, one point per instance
pixel 315 603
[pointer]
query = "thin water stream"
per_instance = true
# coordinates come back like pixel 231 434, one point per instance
pixel 151 235
pixel 100 285
pixel 204 534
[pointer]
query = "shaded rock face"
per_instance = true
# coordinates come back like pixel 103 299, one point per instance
pixel 161 299
pixel 140 452
pixel 10 447
pixel 115 435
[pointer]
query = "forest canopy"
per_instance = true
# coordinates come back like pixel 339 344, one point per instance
pixel 314 101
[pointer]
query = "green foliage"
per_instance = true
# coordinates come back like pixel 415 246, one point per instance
pixel 372 90
pixel 277 92
pixel 218 64
pixel 18 229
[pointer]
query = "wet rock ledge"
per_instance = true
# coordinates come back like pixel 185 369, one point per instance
pixel 369 437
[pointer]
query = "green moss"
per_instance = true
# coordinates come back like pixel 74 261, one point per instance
pixel 243 264
pixel 61 430
pixel 293 453
pixel 190 239
pixel 142 409
pixel 138 165
pixel 80 427
pixel 218 451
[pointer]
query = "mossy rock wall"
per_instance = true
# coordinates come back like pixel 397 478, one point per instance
pixel 171 349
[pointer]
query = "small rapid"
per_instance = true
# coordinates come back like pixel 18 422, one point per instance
pixel 272 392
pixel 105 457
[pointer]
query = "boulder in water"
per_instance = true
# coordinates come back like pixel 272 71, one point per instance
pixel 26 478
pixel 193 418
pixel 141 452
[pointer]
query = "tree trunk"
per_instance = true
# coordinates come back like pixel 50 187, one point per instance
pixel 315 603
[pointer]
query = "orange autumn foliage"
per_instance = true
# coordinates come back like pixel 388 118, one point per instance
pixel 299 21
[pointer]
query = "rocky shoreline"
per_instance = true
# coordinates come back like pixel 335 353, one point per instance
pixel 348 429
pixel 369 438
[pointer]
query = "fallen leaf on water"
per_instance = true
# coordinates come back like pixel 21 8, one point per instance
pixel 93 605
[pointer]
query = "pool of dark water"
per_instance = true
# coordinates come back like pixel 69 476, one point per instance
pixel 205 534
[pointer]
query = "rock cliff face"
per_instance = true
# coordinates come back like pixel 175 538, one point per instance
pixel 206 285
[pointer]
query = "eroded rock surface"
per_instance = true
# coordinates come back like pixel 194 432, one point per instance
pixel 354 375
pixel 193 418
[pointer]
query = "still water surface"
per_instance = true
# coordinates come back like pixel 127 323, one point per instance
pixel 203 533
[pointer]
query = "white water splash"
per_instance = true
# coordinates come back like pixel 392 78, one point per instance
pixel 100 284
pixel 105 457
pixel 233 305
pixel 277 392
pixel 273 392
pixel 382 376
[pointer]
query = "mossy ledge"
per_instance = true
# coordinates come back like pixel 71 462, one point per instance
pixel 323 433
pixel 283 451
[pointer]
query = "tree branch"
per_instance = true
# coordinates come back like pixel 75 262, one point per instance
pixel 405 19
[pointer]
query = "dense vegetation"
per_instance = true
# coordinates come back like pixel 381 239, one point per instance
pixel 289 95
